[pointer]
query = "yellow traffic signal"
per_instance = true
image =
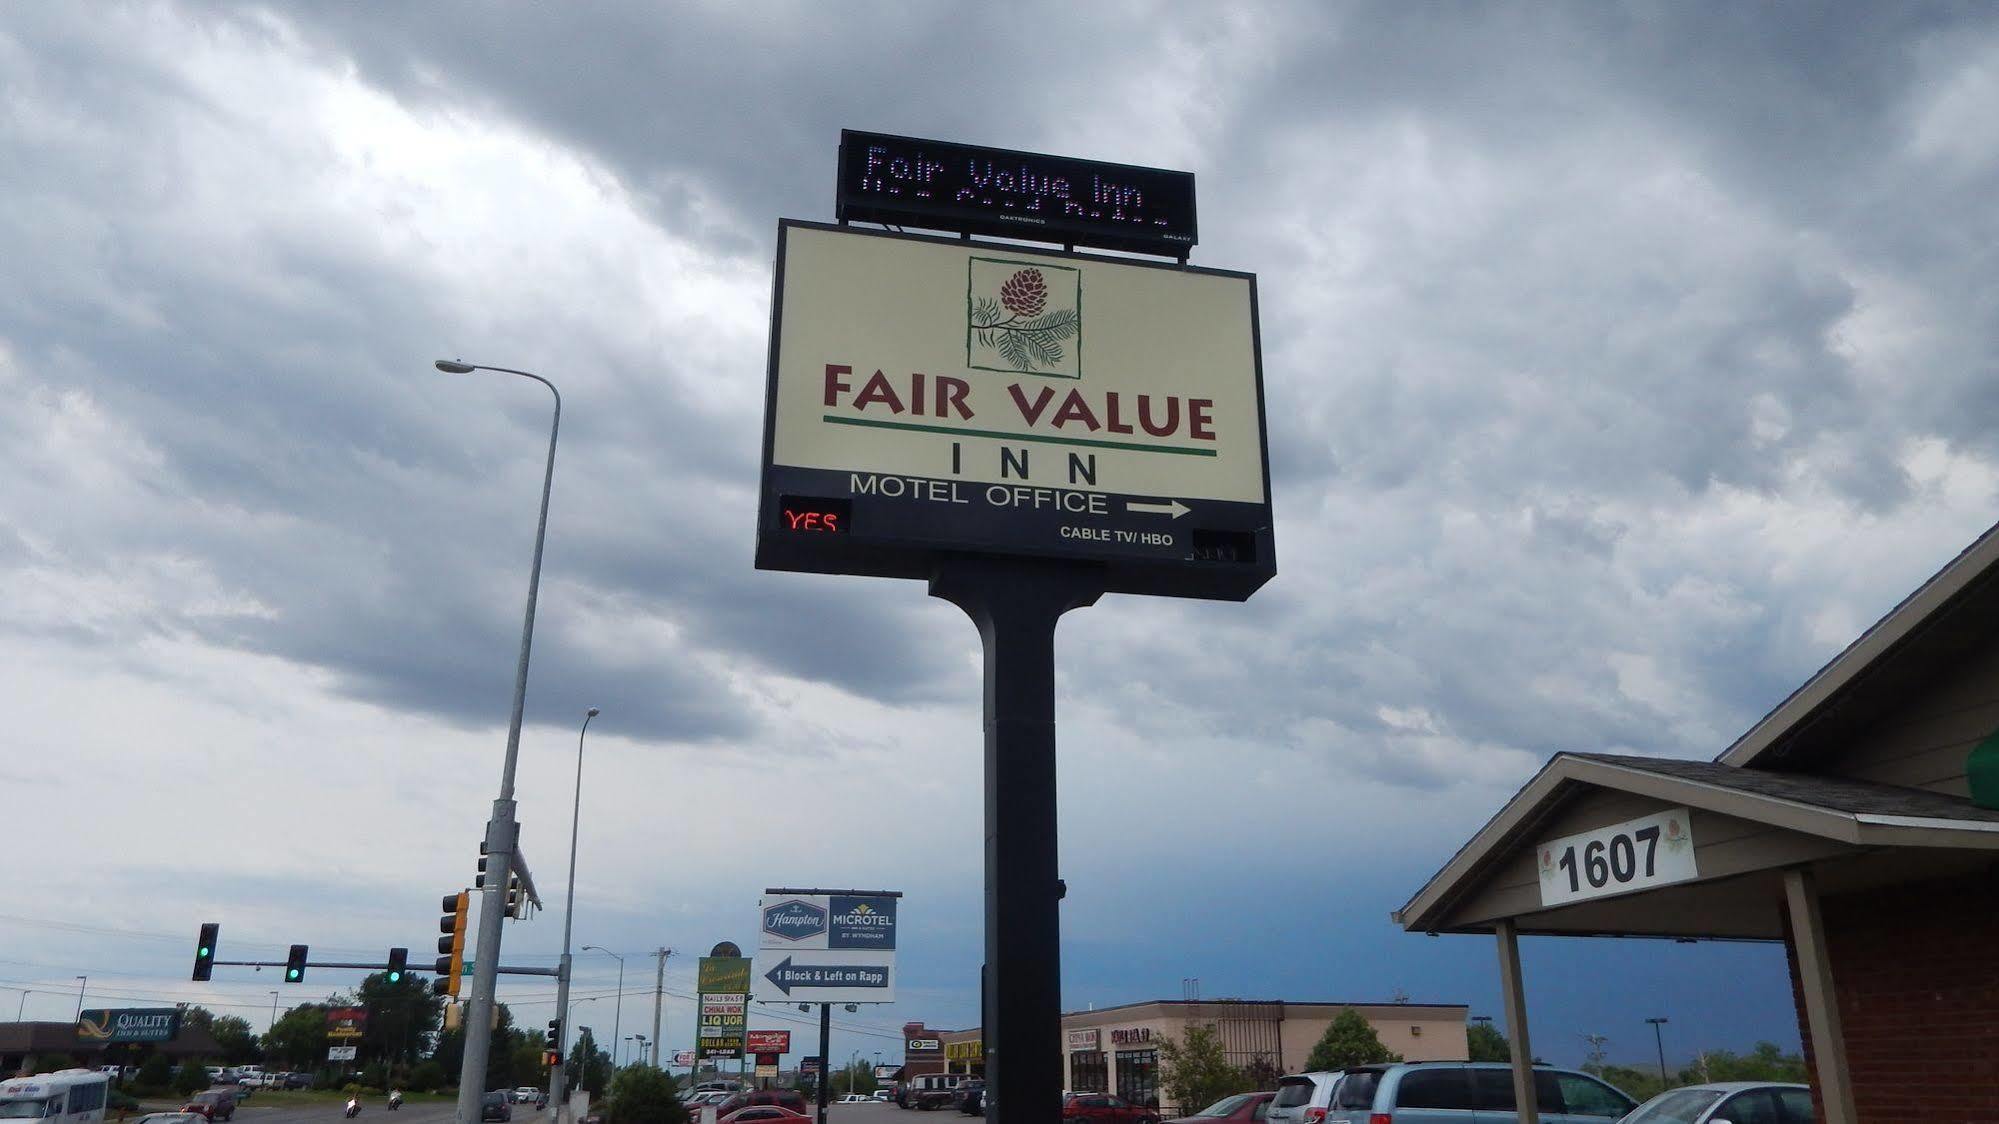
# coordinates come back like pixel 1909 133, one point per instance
pixel 451 947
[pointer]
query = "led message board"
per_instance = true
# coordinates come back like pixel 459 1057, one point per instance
pixel 962 187
pixel 932 396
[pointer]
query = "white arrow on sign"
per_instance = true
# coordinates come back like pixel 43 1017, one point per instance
pixel 1171 507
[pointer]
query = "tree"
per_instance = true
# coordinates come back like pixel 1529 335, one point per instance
pixel 156 1073
pixel 643 1095
pixel 402 1017
pixel 1349 1040
pixel 1197 1072
pixel 1487 1044
pixel 1764 1062
pixel 298 1039
pixel 191 1078
pixel 233 1034
pixel 589 1065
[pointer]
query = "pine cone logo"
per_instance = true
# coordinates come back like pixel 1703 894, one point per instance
pixel 1025 293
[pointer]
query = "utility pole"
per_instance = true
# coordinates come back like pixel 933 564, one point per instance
pixel 1659 1039
pixel 658 1000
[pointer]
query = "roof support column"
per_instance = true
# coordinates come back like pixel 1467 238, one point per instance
pixel 1513 994
pixel 1801 893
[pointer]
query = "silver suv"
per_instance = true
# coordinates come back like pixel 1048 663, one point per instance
pixel 1303 1098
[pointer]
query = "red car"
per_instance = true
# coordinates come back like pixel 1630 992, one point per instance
pixel 1102 1108
pixel 761 1114
pixel 1243 1108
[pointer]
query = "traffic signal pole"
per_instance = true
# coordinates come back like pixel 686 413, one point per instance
pixel 502 833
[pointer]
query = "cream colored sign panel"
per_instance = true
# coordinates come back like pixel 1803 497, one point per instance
pixel 995 365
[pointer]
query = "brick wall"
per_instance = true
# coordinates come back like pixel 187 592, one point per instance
pixel 1917 972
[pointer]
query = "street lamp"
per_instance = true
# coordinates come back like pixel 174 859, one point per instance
pixel 501 831
pixel 1659 1039
pixel 617 1013
pixel 274 1013
pixel 558 1074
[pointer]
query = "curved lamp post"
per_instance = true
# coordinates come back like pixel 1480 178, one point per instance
pixel 501 831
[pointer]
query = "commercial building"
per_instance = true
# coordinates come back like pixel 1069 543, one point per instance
pixel 1116 1049
pixel 1857 824
pixel 22 1043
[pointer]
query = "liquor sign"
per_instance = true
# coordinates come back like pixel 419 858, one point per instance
pixel 931 396
pixel 769 1042
pixel 128 1024
pixel 346 1022
pixel 961 187
pixel 724 983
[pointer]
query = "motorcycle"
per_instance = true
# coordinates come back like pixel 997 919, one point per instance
pixel 353 1107
pixel 395 1100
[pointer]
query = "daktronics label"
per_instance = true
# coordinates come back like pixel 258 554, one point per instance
pixel 958 397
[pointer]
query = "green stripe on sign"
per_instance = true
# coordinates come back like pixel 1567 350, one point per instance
pixel 954 431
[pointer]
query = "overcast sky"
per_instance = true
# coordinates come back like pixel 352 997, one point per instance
pixel 1623 362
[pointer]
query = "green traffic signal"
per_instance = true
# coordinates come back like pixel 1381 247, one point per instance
pixel 204 951
pixel 295 964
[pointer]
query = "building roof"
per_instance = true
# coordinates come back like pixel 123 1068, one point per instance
pixel 1929 630
pixel 1839 794
pixel 1860 813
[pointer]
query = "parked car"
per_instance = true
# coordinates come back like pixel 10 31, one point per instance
pixel 215 1104
pixel 1243 1108
pixel 767 1113
pixel 497 1105
pixel 1736 1102
pixel 854 1098
pixel 1435 1092
pixel 881 1095
pixel 932 1090
pixel 525 1094
pixel 298 1081
pixel 972 1097
pixel 1303 1098
pixel 1102 1108
pixel 790 1099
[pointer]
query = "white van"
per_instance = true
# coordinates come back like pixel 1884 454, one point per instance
pixel 67 1096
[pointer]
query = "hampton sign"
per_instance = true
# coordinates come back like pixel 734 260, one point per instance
pixel 826 948
pixel 129 1024
pixel 931 395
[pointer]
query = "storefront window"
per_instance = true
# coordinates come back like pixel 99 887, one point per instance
pixel 1138 1077
pixel 1086 1072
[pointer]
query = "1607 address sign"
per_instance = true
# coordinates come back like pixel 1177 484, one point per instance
pixel 1638 854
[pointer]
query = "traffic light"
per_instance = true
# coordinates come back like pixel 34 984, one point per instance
pixel 295 964
pixel 451 946
pixel 204 951
pixel 399 959
pixel 479 879
pixel 554 1043
pixel 514 909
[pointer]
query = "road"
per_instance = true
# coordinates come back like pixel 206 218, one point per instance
pixel 373 1111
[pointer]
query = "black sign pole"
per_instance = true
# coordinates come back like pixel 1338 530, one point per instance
pixel 825 1044
pixel 1016 604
